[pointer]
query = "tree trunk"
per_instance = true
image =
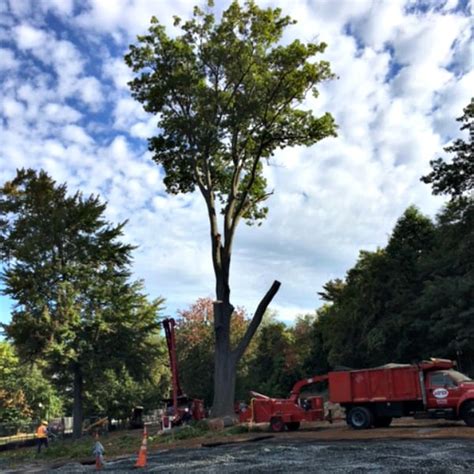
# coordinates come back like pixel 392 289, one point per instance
pixel 224 383
pixel 77 407
pixel 224 362
pixel 226 359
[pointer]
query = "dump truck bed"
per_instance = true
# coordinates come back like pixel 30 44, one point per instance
pixel 383 384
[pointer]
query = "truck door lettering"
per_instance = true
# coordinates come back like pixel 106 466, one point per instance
pixel 440 393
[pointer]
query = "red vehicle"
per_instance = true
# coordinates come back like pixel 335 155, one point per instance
pixel 180 408
pixel 373 397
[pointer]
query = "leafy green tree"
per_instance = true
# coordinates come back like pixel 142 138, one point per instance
pixel 14 406
pixel 351 336
pixel 372 314
pixel 316 360
pixel 227 94
pixel 457 177
pixel 445 309
pixel 119 392
pixel 68 273
pixel 447 300
pixel 25 394
pixel 272 369
pixel 408 248
pixel 301 345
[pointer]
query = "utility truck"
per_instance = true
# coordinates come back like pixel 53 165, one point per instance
pixel 373 397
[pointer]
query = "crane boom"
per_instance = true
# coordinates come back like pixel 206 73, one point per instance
pixel 168 326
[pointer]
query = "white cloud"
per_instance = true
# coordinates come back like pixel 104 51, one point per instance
pixel 420 42
pixel 90 90
pixel 7 60
pixel 61 113
pixel 76 134
pixel 127 112
pixel 124 19
pixel 116 70
pixel 12 108
pixel 30 38
pixel 65 59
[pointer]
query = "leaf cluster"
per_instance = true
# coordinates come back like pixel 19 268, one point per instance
pixel 456 178
pixel 226 94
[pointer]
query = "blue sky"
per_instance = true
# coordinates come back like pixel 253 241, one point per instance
pixel 405 72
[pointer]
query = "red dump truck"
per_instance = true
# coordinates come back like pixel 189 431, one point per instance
pixel 373 397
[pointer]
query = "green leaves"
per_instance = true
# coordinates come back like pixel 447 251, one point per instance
pixel 227 96
pixel 24 391
pixel 457 177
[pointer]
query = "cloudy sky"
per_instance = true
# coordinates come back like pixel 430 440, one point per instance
pixel 405 72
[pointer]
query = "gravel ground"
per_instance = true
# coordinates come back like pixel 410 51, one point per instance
pixel 285 456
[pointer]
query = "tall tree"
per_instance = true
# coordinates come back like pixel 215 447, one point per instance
pixel 456 178
pixel 67 271
pixel 447 297
pixel 227 94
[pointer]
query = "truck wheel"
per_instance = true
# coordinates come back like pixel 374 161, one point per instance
pixel 276 424
pixel 382 421
pixel 468 414
pixel 360 418
pixel 293 426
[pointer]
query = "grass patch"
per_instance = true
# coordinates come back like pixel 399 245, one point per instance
pixel 115 444
pixel 60 449
pixel 193 430
pixel 67 449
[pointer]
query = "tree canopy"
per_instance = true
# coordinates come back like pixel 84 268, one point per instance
pixel 456 178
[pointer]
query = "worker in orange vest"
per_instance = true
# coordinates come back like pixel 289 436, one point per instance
pixel 42 435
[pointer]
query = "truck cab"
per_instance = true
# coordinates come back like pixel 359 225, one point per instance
pixel 449 394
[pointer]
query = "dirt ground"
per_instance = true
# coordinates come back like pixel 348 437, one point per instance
pixel 408 446
pixel 279 455
pixel 404 428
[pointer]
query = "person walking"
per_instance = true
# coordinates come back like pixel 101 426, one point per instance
pixel 42 435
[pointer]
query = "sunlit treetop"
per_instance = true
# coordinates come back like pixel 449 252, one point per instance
pixel 227 96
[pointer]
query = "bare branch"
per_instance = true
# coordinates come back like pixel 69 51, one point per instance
pixel 256 320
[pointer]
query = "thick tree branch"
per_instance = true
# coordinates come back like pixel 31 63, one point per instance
pixel 256 320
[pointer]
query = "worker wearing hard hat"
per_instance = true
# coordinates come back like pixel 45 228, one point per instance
pixel 42 435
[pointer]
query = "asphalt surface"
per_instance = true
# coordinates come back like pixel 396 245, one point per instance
pixel 286 456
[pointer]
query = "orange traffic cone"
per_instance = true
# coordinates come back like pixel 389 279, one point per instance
pixel 141 461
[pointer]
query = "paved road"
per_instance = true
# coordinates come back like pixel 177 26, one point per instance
pixel 282 456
